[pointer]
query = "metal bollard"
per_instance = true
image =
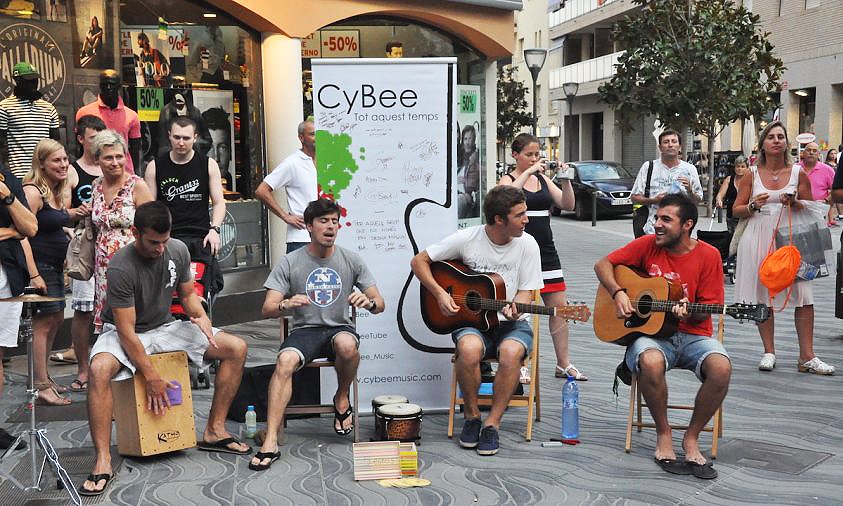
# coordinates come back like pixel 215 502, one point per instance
pixel 593 209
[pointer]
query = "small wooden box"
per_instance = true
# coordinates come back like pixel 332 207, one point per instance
pixel 139 431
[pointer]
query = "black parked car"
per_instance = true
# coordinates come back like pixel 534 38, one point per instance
pixel 610 181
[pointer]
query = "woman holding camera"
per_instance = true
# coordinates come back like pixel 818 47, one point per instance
pixel 541 194
pixel 774 183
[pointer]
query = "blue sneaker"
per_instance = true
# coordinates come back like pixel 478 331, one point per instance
pixel 470 434
pixel 488 444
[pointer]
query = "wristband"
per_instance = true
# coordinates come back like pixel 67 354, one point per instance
pixel 281 307
pixel 616 292
pixel 35 276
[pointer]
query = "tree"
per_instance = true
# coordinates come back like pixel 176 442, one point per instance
pixel 700 64
pixel 512 105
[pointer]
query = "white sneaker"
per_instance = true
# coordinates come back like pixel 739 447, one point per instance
pixel 768 362
pixel 816 366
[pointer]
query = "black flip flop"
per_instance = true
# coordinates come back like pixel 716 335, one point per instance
pixel 272 456
pixel 703 471
pixel 674 466
pixel 342 417
pixel 221 446
pixel 95 478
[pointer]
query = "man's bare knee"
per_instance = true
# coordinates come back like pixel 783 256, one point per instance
pixel 717 369
pixel 470 349
pixel 651 362
pixel 287 363
pixel 103 368
pixel 511 353
pixel 345 347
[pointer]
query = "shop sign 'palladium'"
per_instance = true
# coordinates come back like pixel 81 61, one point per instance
pixel 25 42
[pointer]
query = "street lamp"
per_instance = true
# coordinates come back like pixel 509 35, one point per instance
pixel 570 90
pixel 534 58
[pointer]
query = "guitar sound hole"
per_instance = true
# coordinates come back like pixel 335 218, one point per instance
pixel 645 304
pixel 472 300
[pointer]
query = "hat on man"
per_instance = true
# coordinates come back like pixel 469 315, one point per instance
pixel 25 70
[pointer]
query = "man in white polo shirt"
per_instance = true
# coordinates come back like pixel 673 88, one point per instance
pixel 296 174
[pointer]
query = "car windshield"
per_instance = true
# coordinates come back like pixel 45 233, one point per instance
pixel 595 171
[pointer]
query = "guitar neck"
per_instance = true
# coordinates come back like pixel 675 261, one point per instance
pixel 666 306
pixel 497 305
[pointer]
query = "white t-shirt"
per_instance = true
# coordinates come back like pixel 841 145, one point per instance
pixel 518 262
pixel 296 174
pixel 665 180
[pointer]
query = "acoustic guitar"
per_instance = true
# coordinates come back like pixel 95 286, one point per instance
pixel 480 296
pixel 653 299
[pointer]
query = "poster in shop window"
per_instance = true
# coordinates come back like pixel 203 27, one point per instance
pixel 216 108
pixel 385 131
pixel 469 193
pixel 91 43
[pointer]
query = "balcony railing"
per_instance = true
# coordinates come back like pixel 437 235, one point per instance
pixel 574 9
pixel 602 67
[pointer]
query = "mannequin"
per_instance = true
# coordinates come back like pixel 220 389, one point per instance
pixel 110 108
pixel 28 117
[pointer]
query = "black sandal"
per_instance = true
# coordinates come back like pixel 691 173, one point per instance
pixel 342 417
pixel 96 478
pixel 272 456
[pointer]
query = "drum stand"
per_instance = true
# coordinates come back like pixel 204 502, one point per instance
pixel 38 436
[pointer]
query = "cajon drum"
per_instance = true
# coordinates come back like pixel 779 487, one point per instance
pixel 140 432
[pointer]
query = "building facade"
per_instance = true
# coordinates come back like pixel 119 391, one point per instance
pixel 805 34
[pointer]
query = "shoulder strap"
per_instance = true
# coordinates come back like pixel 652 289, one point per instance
pixel 649 177
pixel 510 176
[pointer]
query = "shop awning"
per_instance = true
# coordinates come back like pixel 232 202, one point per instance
pixel 511 5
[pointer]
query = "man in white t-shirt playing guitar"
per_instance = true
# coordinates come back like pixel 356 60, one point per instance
pixel 502 247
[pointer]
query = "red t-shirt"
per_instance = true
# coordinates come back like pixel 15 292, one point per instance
pixel 700 273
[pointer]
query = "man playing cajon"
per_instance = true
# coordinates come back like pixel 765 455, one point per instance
pixel 137 322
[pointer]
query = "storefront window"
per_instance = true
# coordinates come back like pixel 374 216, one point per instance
pixel 205 66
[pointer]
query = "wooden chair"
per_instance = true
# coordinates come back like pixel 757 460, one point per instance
pixel 320 408
pixel 531 400
pixel 636 405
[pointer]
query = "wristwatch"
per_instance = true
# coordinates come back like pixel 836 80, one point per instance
pixel 372 305
pixel 9 199
pixel 215 228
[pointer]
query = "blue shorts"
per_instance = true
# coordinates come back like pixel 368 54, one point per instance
pixel 520 331
pixel 53 277
pixel 686 351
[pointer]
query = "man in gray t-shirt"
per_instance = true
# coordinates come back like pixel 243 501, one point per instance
pixel 315 286
pixel 141 279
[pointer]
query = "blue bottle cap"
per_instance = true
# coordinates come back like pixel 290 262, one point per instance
pixel 250 408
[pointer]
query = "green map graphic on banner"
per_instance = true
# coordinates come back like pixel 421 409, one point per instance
pixel 335 165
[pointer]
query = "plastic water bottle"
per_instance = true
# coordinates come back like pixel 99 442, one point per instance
pixel 251 421
pixel 570 409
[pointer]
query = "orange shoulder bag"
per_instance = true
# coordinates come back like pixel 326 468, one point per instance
pixel 778 269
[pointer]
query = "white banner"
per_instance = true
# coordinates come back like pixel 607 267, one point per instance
pixel 385 150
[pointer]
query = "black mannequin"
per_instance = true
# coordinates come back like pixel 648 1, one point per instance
pixel 109 94
pixel 26 88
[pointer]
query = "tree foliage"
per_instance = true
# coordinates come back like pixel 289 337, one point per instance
pixel 513 114
pixel 696 63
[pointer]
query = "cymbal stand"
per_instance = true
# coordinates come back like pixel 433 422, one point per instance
pixel 36 435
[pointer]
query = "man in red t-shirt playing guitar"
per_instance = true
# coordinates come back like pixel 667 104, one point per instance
pixel 695 266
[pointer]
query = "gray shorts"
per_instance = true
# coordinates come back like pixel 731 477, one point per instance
pixel 174 336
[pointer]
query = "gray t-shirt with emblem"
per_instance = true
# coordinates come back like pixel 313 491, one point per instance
pixel 146 284
pixel 327 283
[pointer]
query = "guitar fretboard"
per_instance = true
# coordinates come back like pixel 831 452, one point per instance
pixel 666 306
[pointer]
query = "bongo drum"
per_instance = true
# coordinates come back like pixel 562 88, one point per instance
pixel 401 422
pixel 383 400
